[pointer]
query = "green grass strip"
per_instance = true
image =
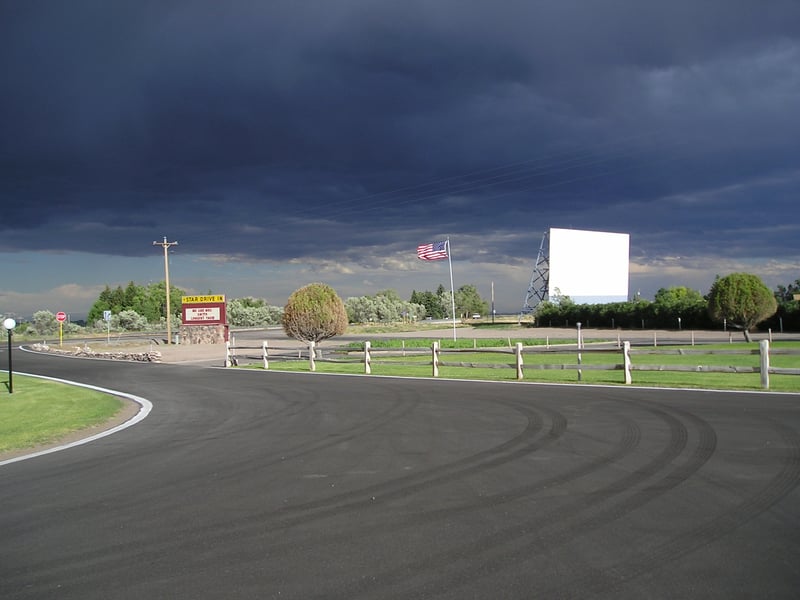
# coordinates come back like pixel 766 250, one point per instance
pixel 42 412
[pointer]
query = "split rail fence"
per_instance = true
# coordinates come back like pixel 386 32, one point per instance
pixel 369 356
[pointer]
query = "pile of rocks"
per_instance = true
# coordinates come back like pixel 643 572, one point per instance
pixel 87 352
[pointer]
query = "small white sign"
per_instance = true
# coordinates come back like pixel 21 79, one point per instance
pixel 210 313
pixel 106 315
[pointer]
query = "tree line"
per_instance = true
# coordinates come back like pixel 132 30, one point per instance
pixel 738 300
pixel 142 308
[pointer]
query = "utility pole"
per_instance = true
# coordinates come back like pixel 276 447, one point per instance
pixel 493 302
pixel 165 244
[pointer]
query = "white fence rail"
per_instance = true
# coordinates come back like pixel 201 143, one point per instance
pixel 370 356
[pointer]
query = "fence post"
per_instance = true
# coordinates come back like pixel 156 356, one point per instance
pixel 655 340
pixel 228 361
pixel 763 348
pixel 312 365
pixel 435 358
pixel 626 359
pixel 367 359
pixel 580 359
pixel 264 350
pixel 519 360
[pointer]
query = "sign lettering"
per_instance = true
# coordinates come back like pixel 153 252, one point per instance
pixel 202 299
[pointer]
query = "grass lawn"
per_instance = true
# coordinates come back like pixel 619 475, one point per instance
pixel 42 412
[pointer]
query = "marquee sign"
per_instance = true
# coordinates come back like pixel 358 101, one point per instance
pixel 203 310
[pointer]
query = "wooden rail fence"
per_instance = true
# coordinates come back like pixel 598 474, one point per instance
pixel 370 356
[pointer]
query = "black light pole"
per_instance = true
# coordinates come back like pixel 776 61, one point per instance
pixel 9 324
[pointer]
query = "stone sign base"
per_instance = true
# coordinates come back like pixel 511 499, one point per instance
pixel 203 334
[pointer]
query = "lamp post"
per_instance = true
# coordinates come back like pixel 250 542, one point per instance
pixel 9 324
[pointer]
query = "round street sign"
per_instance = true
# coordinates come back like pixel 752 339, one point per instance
pixel 61 316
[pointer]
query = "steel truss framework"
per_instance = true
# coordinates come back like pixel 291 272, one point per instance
pixel 540 279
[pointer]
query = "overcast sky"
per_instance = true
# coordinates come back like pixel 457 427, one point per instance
pixel 286 142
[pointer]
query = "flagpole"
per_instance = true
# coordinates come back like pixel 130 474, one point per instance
pixel 452 289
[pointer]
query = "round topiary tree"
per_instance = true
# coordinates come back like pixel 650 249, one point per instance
pixel 741 299
pixel 314 313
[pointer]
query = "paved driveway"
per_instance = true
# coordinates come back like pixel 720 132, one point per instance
pixel 244 484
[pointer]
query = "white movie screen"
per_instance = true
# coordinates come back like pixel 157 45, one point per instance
pixel 591 267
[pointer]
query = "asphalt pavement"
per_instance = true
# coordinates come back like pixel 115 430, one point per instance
pixel 253 484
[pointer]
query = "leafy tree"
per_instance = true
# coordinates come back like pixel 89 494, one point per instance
pixel 250 302
pixel 314 313
pixel 252 312
pixel 44 322
pixel 785 293
pixel 788 315
pixel 469 301
pixel 149 302
pixel 680 302
pixel 385 307
pixel 631 314
pixel 560 299
pixel 72 327
pixel 103 303
pixel 741 299
pixel 390 295
pixel 677 296
pixel 361 309
pixel 129 296
pixel 431 302
pixel 129 320
pixel 156 298
pixel 445 300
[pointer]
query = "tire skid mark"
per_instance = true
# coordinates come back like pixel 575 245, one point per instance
pixel 628 442
pixel 529 440
pixel 551 529
pixel 702 453
pixel 786 480
pixel 398 408
pixel 295 407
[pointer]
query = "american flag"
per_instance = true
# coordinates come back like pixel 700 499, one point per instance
pixel 434 251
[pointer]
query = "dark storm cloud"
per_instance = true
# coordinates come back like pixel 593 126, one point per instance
pixel 368 121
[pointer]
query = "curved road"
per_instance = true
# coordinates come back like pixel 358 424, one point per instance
pixel 247 484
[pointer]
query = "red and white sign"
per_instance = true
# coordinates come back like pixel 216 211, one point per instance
pixel 206 313
pixel 61 316
pixel 202 313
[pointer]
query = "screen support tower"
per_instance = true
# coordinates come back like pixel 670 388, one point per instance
pixel 540 280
